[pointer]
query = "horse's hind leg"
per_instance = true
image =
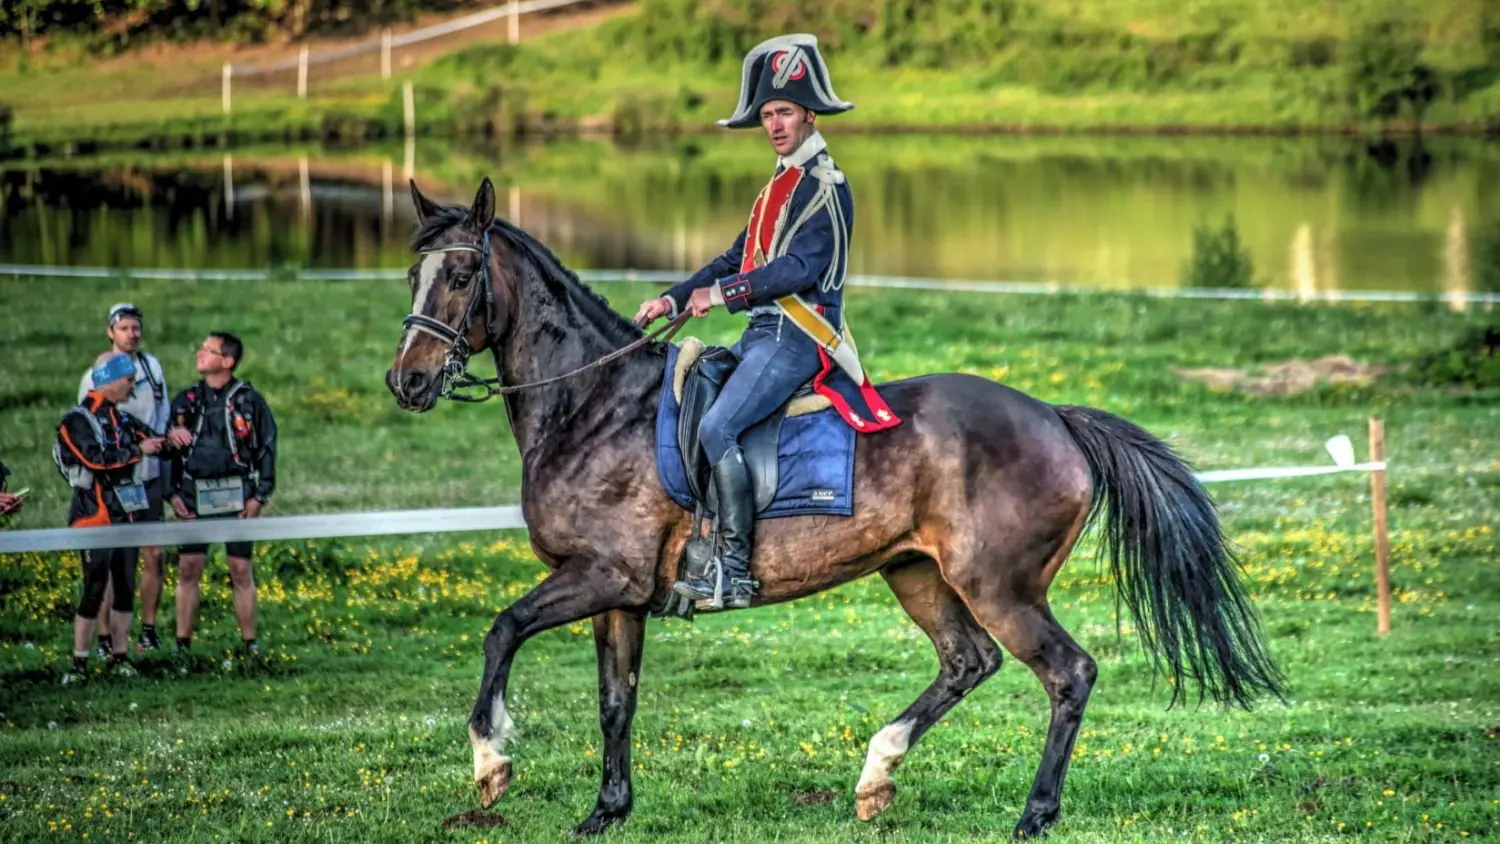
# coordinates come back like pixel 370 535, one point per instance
pixel 966 656
pixel 1025 626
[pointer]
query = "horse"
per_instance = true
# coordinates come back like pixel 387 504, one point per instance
pixel 967 510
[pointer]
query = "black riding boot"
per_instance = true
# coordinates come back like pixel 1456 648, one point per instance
pixel 727 582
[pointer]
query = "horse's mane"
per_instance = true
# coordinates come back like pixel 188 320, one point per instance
pixel 552 269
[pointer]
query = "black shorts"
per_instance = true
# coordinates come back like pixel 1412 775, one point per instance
pixel 233 549
pixel 155 501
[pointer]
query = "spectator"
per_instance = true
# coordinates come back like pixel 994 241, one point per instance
pixel 149 403
pixel 228 471
pixel 98 448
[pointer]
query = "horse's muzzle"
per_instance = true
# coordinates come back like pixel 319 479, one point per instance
pixel 414 389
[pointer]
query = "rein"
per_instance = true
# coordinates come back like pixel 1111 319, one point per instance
pixel 456 375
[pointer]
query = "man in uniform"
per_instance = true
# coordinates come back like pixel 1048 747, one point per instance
pixel 229 471
pixel 149 402
pixel 98 448
pixel 786 270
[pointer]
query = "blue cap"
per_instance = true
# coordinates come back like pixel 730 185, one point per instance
pixel 113 368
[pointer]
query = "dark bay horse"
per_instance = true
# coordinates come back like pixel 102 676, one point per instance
pixel 967 510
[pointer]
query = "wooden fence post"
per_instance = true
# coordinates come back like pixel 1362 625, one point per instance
pixel 228 72
pixel 302 73
pixel 1382 538
pixel 228 186
pixel 385 53
pixel 306 185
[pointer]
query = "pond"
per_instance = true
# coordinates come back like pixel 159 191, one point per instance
pixel 1115 212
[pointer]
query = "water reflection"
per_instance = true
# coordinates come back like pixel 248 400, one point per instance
pixel 1315 215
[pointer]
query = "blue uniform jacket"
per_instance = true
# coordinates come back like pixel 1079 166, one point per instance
pixel 812 263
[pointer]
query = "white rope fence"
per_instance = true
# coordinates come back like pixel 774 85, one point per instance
pixel 398 522
pixel 455 520
pixel 873 281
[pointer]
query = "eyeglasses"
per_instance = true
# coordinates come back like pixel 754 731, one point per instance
pixel 214 352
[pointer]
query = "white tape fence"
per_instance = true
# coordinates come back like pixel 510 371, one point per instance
pixel 855 280
pixel 452 520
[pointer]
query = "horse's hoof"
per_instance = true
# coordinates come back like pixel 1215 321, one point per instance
pixel 596 824
pixel 1035 824
pixel 872 800
pixel 493 782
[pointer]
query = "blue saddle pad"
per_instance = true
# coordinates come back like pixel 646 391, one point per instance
pixel 816 453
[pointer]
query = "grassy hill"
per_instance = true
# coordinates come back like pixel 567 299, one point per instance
pixel 1017 65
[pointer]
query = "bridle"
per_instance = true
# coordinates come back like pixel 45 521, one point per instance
pixel 455 372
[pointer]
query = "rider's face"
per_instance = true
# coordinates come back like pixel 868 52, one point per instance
pixel 787 125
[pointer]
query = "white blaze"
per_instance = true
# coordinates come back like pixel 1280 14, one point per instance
pixel 425 278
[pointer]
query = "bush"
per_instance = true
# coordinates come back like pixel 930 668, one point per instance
pixel 1474 362
pixel 1382 69
pixel 1219 259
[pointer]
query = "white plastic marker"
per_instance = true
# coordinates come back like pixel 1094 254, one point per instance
pixel 1340 448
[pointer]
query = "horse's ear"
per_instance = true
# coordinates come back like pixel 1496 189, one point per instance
pixel 483 212
pixel 426 208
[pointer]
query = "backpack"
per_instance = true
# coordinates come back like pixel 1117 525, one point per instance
pixel 76 474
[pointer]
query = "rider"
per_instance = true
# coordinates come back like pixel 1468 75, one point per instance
pixel 787 266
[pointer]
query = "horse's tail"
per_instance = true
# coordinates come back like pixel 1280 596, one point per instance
pixel 1170 561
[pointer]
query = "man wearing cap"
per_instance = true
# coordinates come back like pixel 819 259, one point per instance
pixel 98 449
pixel 786 271
pixel 149 403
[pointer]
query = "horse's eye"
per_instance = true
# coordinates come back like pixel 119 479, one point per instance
pixel 461 280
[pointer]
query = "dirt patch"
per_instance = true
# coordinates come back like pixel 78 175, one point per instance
pixel 816 797
pixel 1286 379
pixel 474 819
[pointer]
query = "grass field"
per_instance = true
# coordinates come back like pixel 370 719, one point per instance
pixel 752 725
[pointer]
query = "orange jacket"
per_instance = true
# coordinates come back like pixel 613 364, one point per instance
pixel 112 460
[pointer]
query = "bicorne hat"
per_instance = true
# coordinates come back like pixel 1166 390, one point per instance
pixel 787 67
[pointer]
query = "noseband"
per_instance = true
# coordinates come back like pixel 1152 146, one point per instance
pixel 455 372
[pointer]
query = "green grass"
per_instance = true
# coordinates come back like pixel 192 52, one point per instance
pixel 351 727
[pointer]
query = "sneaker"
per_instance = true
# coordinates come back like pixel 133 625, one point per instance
pixel 148 640
pixel 105 647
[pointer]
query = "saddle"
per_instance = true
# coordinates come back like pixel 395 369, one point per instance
pixel 700 376
pixel 704 380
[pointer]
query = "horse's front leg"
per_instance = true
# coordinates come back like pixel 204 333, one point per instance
pixel 618 639
pixel 572 593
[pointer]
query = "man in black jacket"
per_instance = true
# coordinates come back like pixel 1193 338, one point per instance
pixel 229 471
